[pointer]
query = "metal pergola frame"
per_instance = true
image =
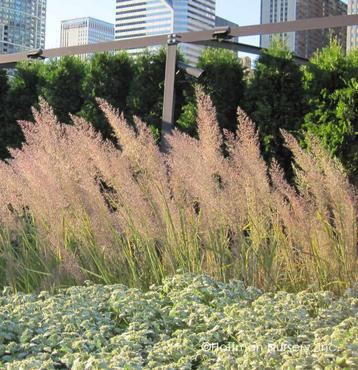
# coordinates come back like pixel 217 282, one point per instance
pixel 207 38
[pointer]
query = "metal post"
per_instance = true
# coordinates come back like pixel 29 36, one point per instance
pixel 169 90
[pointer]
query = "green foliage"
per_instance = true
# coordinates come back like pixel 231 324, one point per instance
pixel 4 87
pixel 63 86
pixel 190 321
pixel 275 100
pixel 187 120
pixel 332 95
pixel 337 125
pixel 22 91
pixel 146 93
pixel 329 69
pixel 70 85
pixel 108 77
pixel 25 88
pixel 223 81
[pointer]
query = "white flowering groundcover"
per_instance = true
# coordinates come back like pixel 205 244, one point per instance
pixel 190 322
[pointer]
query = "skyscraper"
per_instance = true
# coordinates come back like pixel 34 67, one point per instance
pixel 83 31
pixel 138 18
pixel 304 43
pixel 352 32
pixel 22 25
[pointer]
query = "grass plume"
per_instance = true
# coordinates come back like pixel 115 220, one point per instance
pixel 74 207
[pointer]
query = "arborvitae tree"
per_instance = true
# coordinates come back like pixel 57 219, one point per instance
pixel 331 84
pixel 275 100
pixel 223 80
pixel 25 87
pixel 4 87
pixel 23 91
pixel 108 76
pixel 146 93
pixel 63 86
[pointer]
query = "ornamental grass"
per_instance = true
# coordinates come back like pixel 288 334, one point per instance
pixel 74 207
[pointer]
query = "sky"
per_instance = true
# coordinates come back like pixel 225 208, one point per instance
pixel 243 12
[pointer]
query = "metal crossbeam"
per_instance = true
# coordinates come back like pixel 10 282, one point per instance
pixel 9 60
pixel 135 43
pixel 244 48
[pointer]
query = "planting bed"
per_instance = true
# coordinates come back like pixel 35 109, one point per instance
pixel 190 322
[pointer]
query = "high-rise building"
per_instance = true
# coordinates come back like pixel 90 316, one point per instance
pixel 83 31
pixel 22 25
pixel 352 32
pixel 139 18
pixel 303 43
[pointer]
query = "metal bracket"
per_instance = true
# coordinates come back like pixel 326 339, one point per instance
pixel 36 54
pixel 222 33
pixel 173 39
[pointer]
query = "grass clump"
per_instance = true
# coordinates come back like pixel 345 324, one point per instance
pixel 74 207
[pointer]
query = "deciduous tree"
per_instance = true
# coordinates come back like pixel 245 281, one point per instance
pixel 331 87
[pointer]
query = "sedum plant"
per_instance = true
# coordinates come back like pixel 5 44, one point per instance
pixel 190 321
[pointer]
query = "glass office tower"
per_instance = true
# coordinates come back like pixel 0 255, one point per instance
pixel 22 25
pixel 352 33
pixel 139 18
pixel 83 31
pixel 303 43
